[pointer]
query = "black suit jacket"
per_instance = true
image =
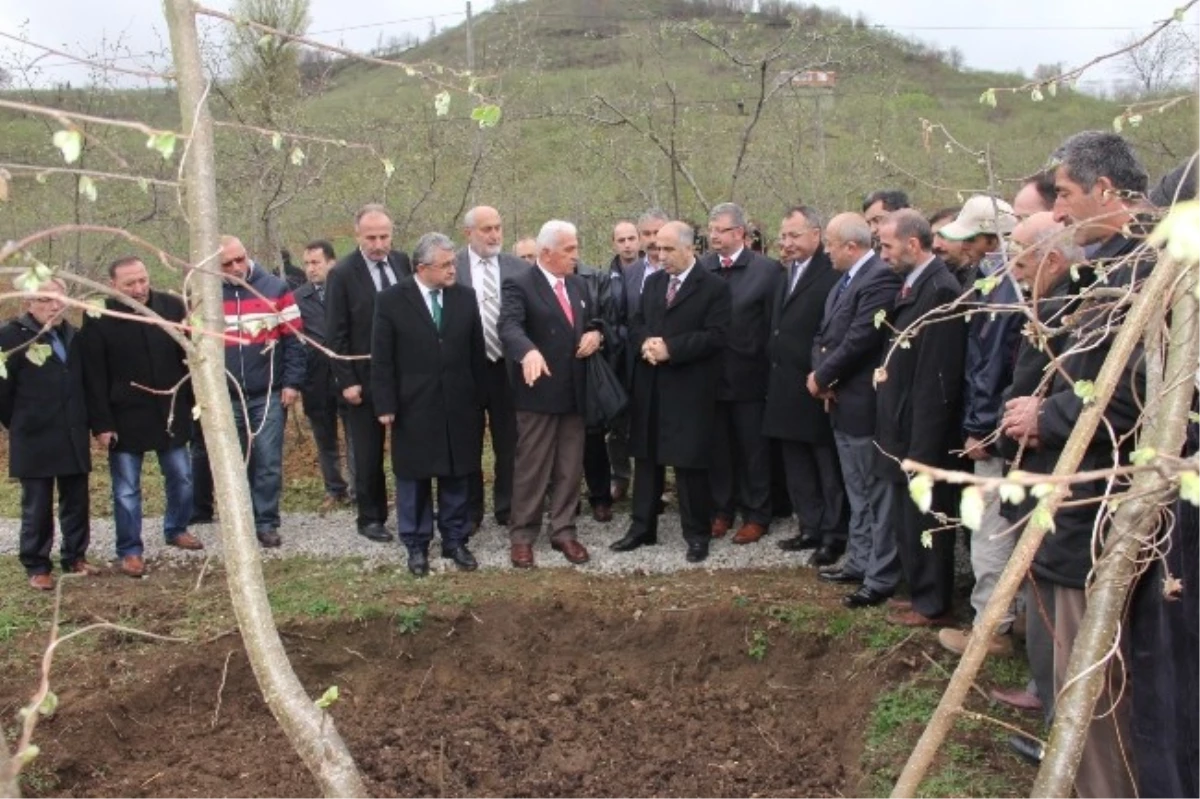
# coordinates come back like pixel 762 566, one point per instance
pixel 753 283
pixel 918 409
pixel 431 381
pixel 319 386
pixel 849 345
pixel 350 312
pixel 531 318
pixel 674 403
pixel 791 412
pixel 631 281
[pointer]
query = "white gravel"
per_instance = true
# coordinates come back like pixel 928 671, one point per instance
pixel 334 536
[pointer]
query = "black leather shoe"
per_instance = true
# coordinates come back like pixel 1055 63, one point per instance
pixel 418 562
pixel 1027 749
pixel 502 519
pixel 697 553
pixel 865 598
pixel 375 531
pixel 827 555
pixel 461 556
pixel 631 542
pixel 799 543
pixel 269 539
pixel 840 577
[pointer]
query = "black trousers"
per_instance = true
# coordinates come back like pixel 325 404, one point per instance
pixel 693 491
pixel 929 572
pixel 781 501
pixel 370 484
pixel 37 521
pixel 502 423
pixel 740 475
pixel 323 416
pixel 814 480
pixel 596 471
pixel 202 480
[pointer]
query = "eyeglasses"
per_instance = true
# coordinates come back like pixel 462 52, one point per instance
pixel 241 259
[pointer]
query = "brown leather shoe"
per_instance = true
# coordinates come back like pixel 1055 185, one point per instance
pixel 186 540
pixel 910 618
pixel 133 566
pixel 81 566
pixel 750 532
pixel 572 550
pixel 1016 698
pixel 895 603
pixel 41 582
pixel 521 555
pixel 720 527
pixel 602 513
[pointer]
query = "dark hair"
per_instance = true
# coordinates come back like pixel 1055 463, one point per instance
pixel 911 225
pixel 812 217
pixel 949 212
pixel 124 260
pixel 1044 183
pixel 324 246
pixel 1093 154
pixel 1179 184
pixel 892 200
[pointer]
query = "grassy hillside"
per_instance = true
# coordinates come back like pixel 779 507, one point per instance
pixel 595 95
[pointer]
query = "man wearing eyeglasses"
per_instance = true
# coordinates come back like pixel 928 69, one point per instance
pixel 483 266
pixel 265 364
pixel 741 462
pixel 428 373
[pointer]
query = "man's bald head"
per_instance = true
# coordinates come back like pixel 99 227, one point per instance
pixel 1046 252
pixel 676 246
pixel 484 230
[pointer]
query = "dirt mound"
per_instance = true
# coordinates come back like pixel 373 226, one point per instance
pixel 507 697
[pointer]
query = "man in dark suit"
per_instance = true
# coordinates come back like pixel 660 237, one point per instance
pixel 43 409
pixel 323 402
pixel 847 348
pixel 349 313
pixel 121 354
pixel 547 331
pixel 741 466
pixel 793 416
pixel 679 330
pixel 626 256
pixel 428 369
pixel 918 409
pixel 483 266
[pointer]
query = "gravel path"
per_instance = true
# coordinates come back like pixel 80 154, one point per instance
pixel 334 536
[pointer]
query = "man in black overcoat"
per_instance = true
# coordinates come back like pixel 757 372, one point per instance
pixel 350 293
pixel 126 361
pixel 428 365
pixel 793 416
pixel 42 407
pixel 679 329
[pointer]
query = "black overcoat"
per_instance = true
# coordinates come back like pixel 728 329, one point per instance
pixel 121 354
pixel 753 281
pixel 432 383
pixel 43 407
pixel 791 412
pixel 674 403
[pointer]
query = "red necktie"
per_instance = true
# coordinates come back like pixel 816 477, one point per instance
pixel 904 292
pixel 672 290
pixel 560 289
pixel 726 262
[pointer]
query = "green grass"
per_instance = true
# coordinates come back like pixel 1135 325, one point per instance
pixel 409 621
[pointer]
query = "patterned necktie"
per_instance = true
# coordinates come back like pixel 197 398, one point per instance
pixel 672 290
pixel 435 309
pixel 384 281
pixel 560 289
pixel 796 271
pixel 489 311
pixel 841 286
pixel 726 262
pixel 904 292
pixel 320 287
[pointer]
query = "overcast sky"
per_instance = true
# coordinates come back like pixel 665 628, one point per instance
pixel 1000 35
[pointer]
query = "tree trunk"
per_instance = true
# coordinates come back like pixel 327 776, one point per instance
pixel 310 731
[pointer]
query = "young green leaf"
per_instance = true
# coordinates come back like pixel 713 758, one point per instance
pixel 1042 490
pixel 71 144
pixel 87 188
pixel 920 488
pixel 1140 457
pixel 164 142
pixel 488 116
pixel 1189 487
pixel 265 41
pixel 1043 518
pixel 1118 124
pixel 49 704
pixel 277 140
pixel 328 698
pixel 1012 493
pixel 986 285
pixel 880 317
pixel 297 157
pixel 3 365
pixel 196 411
pixel 988 98
pixel 927 539
pixel 1086 391
pixel 441 103
pixel 1052 88
pixel 389 168
pixel 27 754
pixel 95 306
pixel 970 507
pixel 1036 95
pixel 38 353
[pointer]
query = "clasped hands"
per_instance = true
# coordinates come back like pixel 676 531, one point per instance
pixel 654 351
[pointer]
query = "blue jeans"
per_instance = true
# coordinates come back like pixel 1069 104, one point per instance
pixel 265 468
pixel 126 471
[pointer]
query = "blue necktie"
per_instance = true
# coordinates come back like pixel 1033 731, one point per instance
pixel 841 286
pixel 56 344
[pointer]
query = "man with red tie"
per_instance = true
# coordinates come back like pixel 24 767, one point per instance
pixel 547 331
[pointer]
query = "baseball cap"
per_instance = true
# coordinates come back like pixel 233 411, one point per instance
pixel 980 214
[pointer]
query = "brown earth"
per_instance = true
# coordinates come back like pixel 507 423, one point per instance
pixel 552 685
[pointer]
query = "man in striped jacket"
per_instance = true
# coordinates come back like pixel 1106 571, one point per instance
pixel 265 363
